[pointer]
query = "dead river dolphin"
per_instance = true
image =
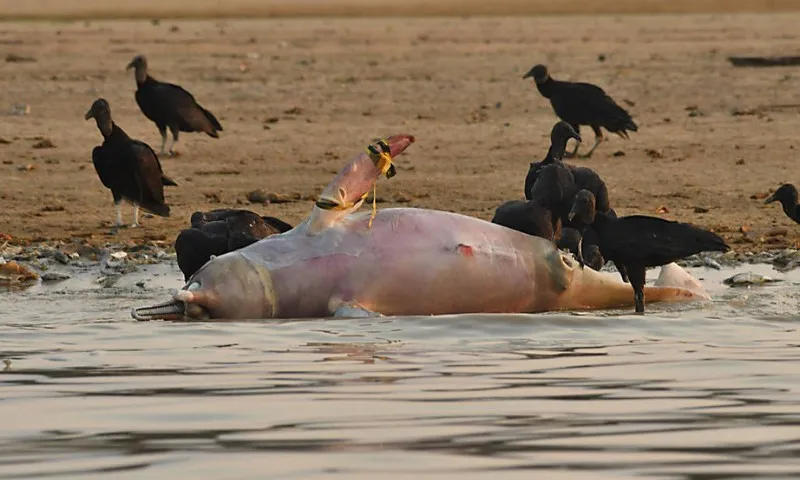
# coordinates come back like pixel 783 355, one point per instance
pixel 398 261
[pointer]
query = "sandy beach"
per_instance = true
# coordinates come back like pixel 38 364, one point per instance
pixel 298 97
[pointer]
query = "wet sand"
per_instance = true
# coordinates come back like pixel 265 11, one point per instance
pixel 61 9
pixel 298 97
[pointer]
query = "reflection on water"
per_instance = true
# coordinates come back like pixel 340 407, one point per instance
pixel 693 392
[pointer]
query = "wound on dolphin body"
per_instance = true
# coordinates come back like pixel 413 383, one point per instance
pixel 465 250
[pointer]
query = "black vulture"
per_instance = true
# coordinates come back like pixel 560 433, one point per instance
pixel 582 246
pixel 581 240
pixel 221 231
pixel 554 190
pixel 267 225
pixel 128 167
pixel 787 195
pixel 559 136
pixel 583 177
pixel 194 247
pixel 170 106
pixel 583 104
pixel 526 217
pixel 581 216
pixel 636 242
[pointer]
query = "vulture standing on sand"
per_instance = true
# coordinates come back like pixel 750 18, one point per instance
pixel 636 242
pixel 170 106
pixel 128 167
pixel 787 195
pixel 583 104
pixel 221 231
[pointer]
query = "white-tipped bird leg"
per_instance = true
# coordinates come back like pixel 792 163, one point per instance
pixel 172 147
pixel 118 210
pixel 163 142
pixel 135 216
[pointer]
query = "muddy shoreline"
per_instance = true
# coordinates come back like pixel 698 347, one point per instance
pixel 298 98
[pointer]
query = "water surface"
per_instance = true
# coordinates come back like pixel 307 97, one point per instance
pixel 703 391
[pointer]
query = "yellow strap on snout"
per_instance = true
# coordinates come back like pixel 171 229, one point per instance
pixel 381 155
pixel 325 205
pixel 383 161
pixel 374 203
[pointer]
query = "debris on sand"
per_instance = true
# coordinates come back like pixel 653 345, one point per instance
pixel 654 153
pixel 402 197
pixel 44 143
pixel 54 277
pixel 787 260
pixel 20 109
pixel 260 196
pixel 747 279
pixel 61 257
pixel 14 274
pixel 14 58
pixel 779 61
pixel 781 260
pixel 109 280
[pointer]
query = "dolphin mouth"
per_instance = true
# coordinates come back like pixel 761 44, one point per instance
pixel 170 310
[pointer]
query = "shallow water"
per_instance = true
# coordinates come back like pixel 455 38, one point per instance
pixel 701 391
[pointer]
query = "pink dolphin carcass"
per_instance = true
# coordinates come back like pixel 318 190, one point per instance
pixel 404 261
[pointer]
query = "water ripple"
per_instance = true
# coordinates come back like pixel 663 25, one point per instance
pixel 704 393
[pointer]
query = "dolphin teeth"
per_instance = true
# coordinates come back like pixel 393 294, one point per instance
pixel 171 310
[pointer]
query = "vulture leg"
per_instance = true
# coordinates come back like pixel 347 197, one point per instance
pixel 163 131
pixel 598 139
pixel 636 273
pixel 135 216
pixel 118 209
pixel 574 152
pixel 623 272
pixel 175 131
pixel 581 262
